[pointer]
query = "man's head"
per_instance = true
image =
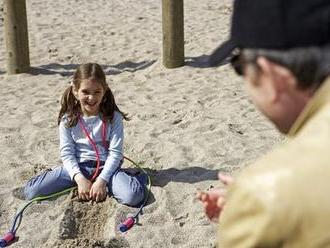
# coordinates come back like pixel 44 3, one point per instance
pixel 282 47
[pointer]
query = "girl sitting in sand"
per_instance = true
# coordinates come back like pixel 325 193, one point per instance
pixel 91 144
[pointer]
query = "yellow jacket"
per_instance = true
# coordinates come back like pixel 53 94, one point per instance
pixel 283 200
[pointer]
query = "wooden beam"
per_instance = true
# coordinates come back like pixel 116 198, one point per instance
pixel 16 36
pixel 173 33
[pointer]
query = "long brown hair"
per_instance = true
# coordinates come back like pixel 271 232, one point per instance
pixel 71 106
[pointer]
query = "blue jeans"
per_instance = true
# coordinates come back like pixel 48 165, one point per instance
pixel 126 189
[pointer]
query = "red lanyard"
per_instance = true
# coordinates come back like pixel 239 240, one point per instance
pixel 91 141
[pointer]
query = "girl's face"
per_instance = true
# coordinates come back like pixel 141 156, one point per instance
pixel 90 95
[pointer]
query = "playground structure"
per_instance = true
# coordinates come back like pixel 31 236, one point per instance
pixel 17 42
pixel 173 33
pixel 16 36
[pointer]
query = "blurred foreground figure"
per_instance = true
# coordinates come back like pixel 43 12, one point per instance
pixel 282 49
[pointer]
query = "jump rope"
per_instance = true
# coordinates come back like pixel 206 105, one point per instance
pixel 124 226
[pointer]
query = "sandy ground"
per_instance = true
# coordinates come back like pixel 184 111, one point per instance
pixel 187 123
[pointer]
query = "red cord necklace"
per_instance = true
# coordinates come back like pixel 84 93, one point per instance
pixel 91 141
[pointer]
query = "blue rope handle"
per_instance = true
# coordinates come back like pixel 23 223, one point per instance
pixel 19 214
pixel 130 221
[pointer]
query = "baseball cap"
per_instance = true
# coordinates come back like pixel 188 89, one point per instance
pixel 275 24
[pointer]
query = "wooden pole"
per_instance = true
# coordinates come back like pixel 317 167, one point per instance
pixel 16 35
pixel 173 33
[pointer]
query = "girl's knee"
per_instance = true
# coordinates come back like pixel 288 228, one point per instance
pixel 48 182
pixel 30 192
pixel 132 198
pixel 34 188
pixel 126 189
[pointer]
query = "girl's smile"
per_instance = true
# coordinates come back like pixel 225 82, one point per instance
pixel 90 95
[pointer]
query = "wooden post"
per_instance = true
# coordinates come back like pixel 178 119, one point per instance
pixel 173 33
pixel 16 35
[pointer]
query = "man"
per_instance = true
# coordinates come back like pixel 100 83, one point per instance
pixel 282 49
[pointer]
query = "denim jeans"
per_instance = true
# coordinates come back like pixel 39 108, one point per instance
pixel 126 189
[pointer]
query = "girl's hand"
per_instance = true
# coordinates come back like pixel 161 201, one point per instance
pixel 98 191
pixel 214 200
pixel 84 187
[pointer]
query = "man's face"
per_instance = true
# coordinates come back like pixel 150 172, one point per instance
pixel 273 89
pixel 257 85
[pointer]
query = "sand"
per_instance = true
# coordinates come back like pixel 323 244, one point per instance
pixel 187 123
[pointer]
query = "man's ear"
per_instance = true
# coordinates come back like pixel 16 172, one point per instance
pixel 279 78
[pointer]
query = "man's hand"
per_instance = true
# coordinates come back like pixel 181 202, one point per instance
pixel 214 200
pixel 99 190
pixel 84 186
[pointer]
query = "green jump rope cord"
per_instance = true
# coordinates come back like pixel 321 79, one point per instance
pixel 19 214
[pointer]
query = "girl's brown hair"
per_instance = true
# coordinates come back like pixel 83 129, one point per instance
pixel 71 106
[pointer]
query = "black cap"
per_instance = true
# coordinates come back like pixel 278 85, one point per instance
pixel 276 24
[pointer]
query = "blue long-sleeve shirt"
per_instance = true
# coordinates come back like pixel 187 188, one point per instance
pixel 75 146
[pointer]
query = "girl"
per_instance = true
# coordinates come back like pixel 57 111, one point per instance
pixel 91 144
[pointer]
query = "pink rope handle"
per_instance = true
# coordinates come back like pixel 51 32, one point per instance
pixel 104 133
pixel 91 141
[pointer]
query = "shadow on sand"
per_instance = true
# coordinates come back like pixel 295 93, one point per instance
pixel 202 61
pixel 190 175
pixel 68 69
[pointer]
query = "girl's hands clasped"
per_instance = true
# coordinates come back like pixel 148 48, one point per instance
pixel 87 190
